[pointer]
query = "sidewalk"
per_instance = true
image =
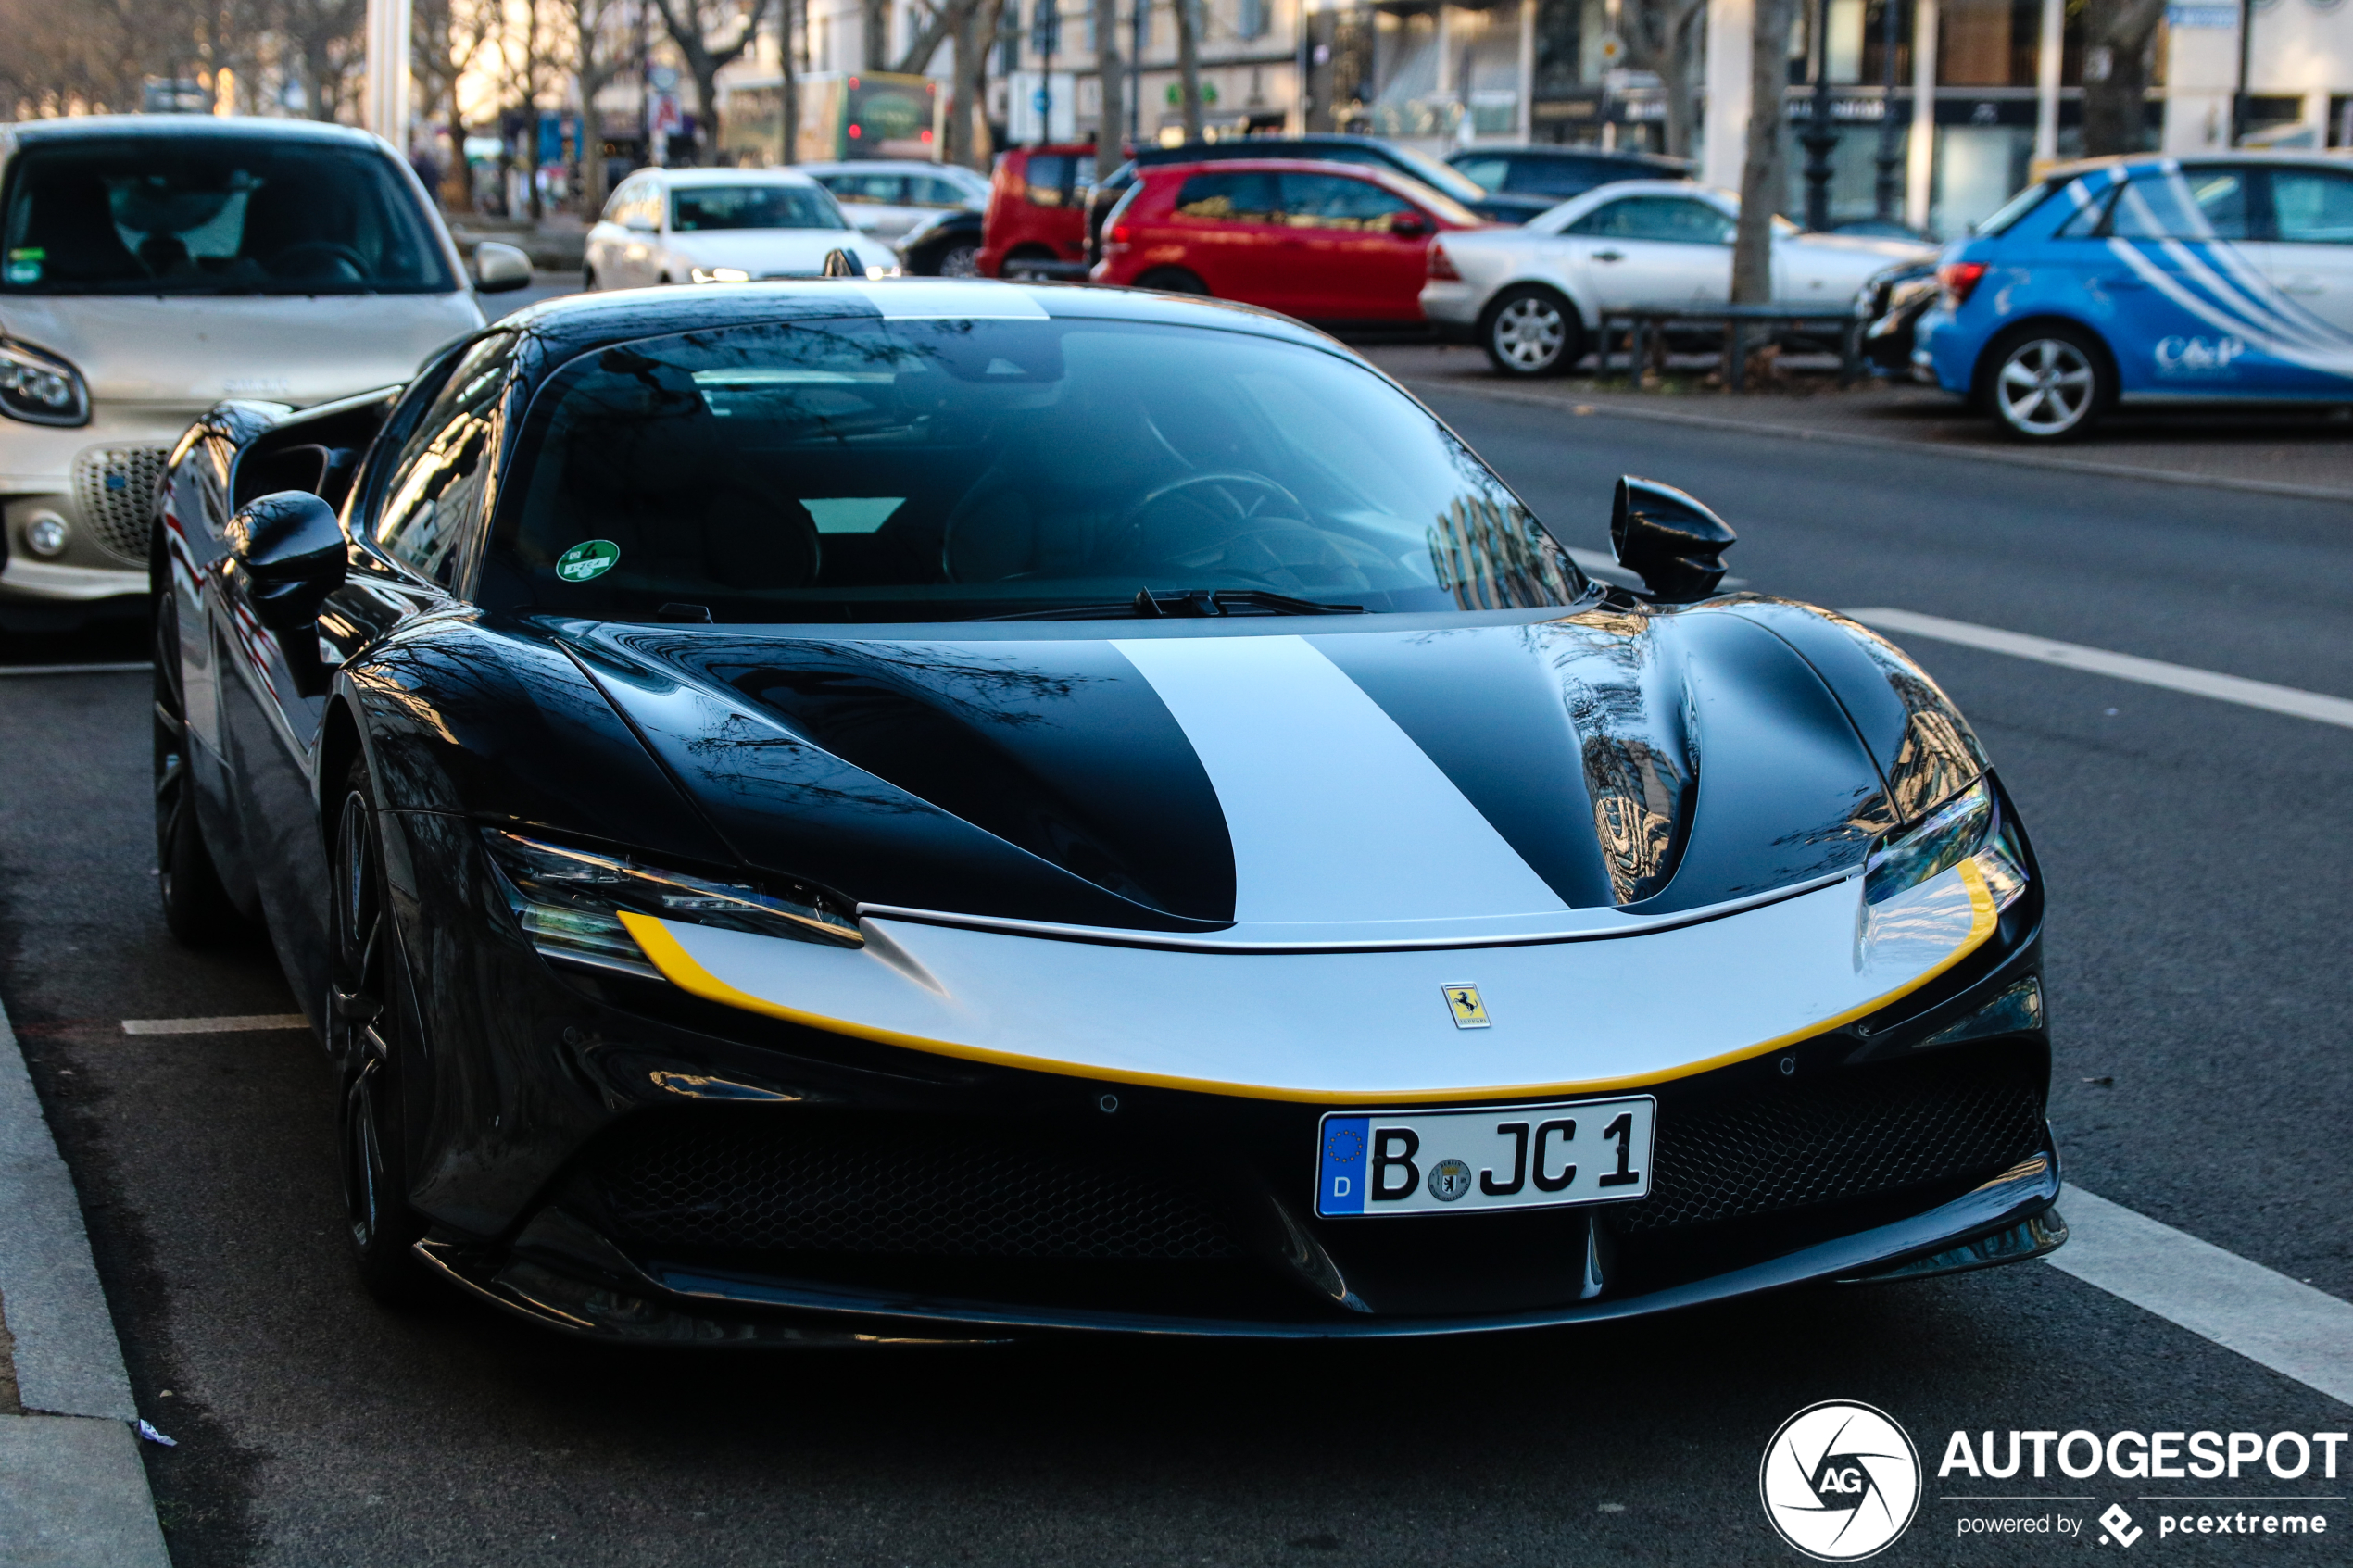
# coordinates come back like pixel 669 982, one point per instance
pixel 73 1492
pixel 2282 451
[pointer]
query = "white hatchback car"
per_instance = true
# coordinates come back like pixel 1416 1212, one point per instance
pixel 1533 296
pixel 156 264
pixel 886 197
pixel 724 226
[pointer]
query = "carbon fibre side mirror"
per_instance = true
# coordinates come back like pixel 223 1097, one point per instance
pixel 1666 538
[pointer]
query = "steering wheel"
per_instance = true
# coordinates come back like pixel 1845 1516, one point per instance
pixel 311 258
pixel 1130 523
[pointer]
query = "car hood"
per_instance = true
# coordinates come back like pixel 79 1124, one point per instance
pixel 1426 782
pixel 192 351
pixel 764 251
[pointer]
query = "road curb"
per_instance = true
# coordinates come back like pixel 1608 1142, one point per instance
pixel 1422 385
pixel 72 1490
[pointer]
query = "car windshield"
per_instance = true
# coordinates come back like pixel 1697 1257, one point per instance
pixel 873 471
pixel 696 209
pixel 1429 170
pixel 212 214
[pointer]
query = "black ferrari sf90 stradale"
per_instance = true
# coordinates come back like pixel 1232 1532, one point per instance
pixel 926 809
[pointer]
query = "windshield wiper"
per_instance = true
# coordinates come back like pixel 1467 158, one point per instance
pixel 1189 604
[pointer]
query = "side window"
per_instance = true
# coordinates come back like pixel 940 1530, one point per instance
pixel 2207 203
pixel 1048 177
pixel 2313 207
pixel 1334 201
pixel 1673 220
pixel 1229 198
pixel 2091 212
pixel 927 191
pixel 1487 173
pixel 1559 177
pixel 870 189
pixel 440 483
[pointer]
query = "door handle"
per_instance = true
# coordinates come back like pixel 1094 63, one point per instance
pixel 1609 256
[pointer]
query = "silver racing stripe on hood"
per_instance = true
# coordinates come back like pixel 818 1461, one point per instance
pixel 1335 816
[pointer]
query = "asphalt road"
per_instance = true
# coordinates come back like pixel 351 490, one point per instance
pixel 2201 882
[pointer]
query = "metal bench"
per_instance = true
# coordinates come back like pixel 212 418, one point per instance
pixel 1737 322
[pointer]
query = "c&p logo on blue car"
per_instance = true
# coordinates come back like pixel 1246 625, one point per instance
pixel 1339 1183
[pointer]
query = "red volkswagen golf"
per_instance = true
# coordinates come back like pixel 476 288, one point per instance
pixel 1325 242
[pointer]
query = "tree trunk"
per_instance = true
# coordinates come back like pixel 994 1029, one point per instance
pixel 1111 125
pixel 1764 172
pixel 788 90
pixel 2117 39
pixel 875 49
pixel 968 125
pixel 707 113
pixel 1683 60
pixel 1189 63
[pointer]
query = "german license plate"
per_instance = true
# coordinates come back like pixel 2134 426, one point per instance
pixel 1457 1161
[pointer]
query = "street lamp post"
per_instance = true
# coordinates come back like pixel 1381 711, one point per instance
pixel 1889 188
pixel 1819 140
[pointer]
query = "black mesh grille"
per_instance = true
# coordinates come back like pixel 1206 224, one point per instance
pixel 806 1183
pixel 1850 1135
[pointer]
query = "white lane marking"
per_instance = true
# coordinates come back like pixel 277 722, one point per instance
pixel 237 1025
pixel 2123 666
pixel 6 669
pixel 2267 1317
pixel 1334 813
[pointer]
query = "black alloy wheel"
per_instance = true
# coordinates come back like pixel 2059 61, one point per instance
pixel 1172 280
pixel 196 909
pixel 1531 330
pixel 2048 383
pixel 370 1020
pixel 960 260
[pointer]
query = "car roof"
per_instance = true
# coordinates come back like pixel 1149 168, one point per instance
pixel 173 126
pixel 1567 154
pixel 2333 156
pixel 573 324
pixel 690 177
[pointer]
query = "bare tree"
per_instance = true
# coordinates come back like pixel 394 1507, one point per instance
pixel 1764 172
pixel 1188 21
pixel 874 45
pixel 601 48
pixel 1664 37
pixel 692 25
pixel 968 141
pixel 2120 36
pixel 789 21
pixel 945 22
pixel 324 36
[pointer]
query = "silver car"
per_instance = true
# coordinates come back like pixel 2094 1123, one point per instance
pixel 158 264
pixel 889 197
pixel 724 226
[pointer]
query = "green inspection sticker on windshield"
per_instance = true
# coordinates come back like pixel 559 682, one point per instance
pixel 591 557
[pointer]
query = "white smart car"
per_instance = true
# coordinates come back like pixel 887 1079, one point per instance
pixel 156 264
pixel 1532 296
pixel 724 226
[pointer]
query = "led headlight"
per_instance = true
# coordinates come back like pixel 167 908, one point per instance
pixel 41 388
pixel 569 902
pixel 722 275
pixel 1966 827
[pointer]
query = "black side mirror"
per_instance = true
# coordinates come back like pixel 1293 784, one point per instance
pixel 292 548
pixel 1408 226
pixel 1669 540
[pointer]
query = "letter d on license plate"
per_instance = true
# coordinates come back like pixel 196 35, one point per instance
pixel 1509 1157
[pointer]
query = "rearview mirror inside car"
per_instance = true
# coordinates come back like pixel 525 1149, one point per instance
pixel 498 268
pixel 293 551
pixel 1672 542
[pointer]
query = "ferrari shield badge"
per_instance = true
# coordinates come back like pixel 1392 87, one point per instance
pixel 1468 1011
pixel 591 557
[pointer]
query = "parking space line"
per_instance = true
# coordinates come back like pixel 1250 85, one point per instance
pixel 2295 1330
pixel 2123 666
pixel 73 669
pixel 237 1025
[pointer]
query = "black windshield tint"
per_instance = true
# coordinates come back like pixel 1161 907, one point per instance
pixel 211 214
pixel 699 208
pixel 923 470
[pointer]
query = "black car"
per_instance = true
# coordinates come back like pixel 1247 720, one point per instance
pixel 1543 177
pixel 946 244
pixel 1334 148
pixel 817 812
pixel 1891 305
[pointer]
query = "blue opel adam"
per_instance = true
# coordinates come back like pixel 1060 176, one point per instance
pixel 2149 279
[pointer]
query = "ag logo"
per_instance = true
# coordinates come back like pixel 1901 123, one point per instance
pixel 1840 1481
pixel 1468 1011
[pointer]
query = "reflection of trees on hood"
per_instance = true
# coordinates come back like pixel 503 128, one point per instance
pixel 1939 753
pixel 1490 557
pixel 984 689
pixel 1634 739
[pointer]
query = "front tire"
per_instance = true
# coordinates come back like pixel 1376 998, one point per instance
pixel 370 1024
pixel 1531 330
pixel 2048 384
